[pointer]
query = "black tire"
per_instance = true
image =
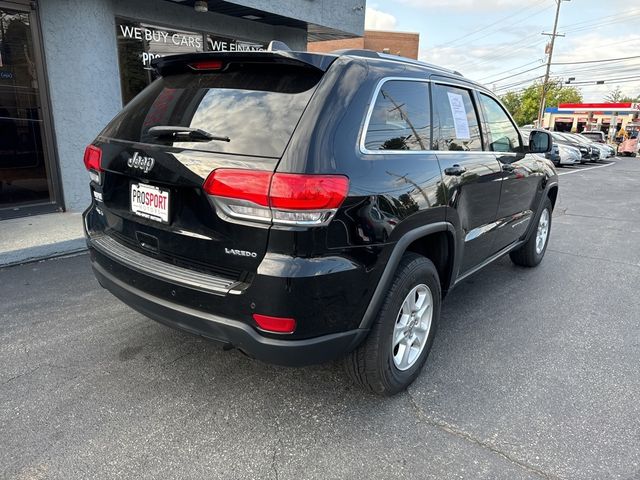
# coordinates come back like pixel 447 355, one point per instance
pixel 371 365
pixel 527 255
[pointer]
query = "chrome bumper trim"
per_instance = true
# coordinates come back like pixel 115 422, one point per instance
pixel 161 270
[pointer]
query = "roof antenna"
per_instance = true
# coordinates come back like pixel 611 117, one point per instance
pixel 275 45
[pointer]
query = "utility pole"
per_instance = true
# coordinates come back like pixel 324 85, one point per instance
pixel 543 97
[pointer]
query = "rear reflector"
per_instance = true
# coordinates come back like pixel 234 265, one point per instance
pixel 207 65
pixel 93 158
pixel 281 198
pixel 275 324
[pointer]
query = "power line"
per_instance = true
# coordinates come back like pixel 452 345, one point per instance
pixel 619 69
pixel 473 40
pixel 580 84
pixel 507 71
pixel 516 74
pixel 597 72
pixel 496 54
pixel 597 25
pixel 622 16
pixel 499 21
pixel 604 80
pixel 597 61
pixel 516 84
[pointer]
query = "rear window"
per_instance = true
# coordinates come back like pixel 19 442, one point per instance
pixel 256 106
pixel 594 136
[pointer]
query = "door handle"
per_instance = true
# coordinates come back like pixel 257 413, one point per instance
pixel 455 170
pixel 507 167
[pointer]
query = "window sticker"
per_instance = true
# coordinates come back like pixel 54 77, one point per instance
pixel 459 113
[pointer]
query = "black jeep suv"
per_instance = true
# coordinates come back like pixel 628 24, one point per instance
pixel 304 207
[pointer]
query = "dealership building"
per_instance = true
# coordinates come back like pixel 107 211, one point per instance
pixel 68 66
pixel 578 117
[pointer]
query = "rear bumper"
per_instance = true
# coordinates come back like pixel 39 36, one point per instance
pixel 326 295
pixel 242 336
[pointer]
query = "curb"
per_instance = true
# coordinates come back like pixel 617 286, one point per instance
pixel 42 252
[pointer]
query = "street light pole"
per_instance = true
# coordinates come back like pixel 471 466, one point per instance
pixel 543 97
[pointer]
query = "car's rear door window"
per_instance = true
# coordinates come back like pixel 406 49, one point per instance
pixel 456 126
pixel 256 106
pixel 400 118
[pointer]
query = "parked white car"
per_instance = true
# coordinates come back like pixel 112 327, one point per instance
pixel 569 155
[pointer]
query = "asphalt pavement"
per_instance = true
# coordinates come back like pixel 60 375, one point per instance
pixel 534 374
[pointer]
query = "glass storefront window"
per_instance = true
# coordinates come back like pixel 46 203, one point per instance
pixel 24 176
pixel 217 43
pixel 139 43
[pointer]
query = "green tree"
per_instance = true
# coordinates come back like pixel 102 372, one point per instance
pixel 614 95
pixel 512 100
pixel 524 105
pixel 618 96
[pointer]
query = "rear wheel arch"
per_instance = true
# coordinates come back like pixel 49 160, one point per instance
pixel 439 247
pixel 553 196
pixel 418 239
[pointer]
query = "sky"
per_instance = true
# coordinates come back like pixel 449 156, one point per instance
pixel 500 43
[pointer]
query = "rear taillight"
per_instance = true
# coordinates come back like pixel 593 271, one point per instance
pixel 93 158
pixel 93 162
pixel 280 198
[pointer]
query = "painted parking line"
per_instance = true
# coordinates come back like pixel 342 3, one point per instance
pixel 588 168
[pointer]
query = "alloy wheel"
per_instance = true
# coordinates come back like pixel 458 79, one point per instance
pixel 412 327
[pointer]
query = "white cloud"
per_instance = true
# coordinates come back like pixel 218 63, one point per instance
pixel 486 5
pixel 379 20
pixel 486 63
pixel 595 46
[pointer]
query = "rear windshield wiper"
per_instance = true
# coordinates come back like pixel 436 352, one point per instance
pixel 195 134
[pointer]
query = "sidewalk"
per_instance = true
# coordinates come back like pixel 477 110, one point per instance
pixel 39 237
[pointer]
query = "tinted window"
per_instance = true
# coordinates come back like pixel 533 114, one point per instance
pixel 400 117
pixel 456 121
pixel 570 138
pixel 502 134
pixel 594 136
pixel 256 106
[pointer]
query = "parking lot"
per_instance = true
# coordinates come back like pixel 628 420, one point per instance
pixel 533 374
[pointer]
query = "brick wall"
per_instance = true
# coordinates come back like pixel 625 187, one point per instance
pixel 397 43
pixel 331 45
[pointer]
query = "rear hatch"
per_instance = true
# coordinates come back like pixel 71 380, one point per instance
pixel 227 111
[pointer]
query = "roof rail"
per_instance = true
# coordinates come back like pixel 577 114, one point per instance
pixel 396 58
pixel 411 61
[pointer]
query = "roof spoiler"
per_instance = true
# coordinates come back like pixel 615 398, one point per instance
pixel 172 64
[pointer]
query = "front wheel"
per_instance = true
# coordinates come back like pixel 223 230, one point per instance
pixel 530 254
pixel 400 339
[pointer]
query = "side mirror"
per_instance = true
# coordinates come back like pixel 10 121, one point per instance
pixel 540 142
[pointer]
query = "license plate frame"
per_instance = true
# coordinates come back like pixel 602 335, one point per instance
pixel 159 202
